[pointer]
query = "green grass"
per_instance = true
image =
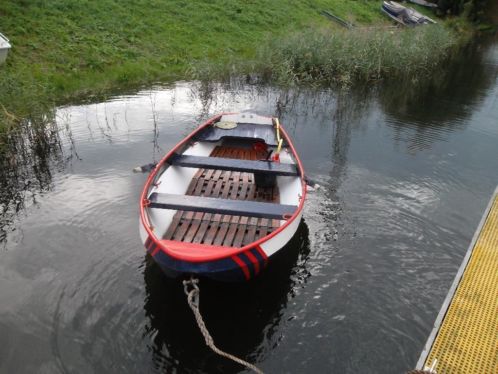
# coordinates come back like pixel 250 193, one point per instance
pixel 67 49
pixel 73 46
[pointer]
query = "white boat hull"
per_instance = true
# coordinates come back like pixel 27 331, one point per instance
pixel 224 261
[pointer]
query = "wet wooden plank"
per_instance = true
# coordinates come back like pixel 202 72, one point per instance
pixel 214 180
pixel 232 229
pixel 251 230
pixel 241 232
pixel 170 233
pixel 233 220
pixel 199 236
pixel 242 195
pixel 216 218
pixel 194 226
pixel 187 216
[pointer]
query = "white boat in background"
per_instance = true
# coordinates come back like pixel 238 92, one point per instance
pixel 4 48
pixel 404 15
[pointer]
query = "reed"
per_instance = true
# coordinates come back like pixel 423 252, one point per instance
pixel 333 56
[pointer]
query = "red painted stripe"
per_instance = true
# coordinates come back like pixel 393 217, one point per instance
pixel 254 261
pixel 243 266
pixel 149 245
pixel 261 252
pixel 154 252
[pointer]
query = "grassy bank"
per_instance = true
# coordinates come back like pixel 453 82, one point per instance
pixel 63 49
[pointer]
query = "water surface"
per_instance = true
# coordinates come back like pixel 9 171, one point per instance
pixel 405 171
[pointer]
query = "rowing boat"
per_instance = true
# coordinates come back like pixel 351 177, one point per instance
pixel 405 15
pixel 4 48
pixel 224 200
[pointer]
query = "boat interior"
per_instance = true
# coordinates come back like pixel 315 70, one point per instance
pixel 223 188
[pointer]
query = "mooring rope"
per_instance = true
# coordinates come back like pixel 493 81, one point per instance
pixel 426 370
pixel 192 291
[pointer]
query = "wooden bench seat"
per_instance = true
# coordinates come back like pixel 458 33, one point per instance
pixel 247 166
pixel 221 206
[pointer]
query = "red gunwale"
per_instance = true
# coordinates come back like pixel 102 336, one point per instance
pixel 196 253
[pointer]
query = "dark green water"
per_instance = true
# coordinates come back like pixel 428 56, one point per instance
pixel 405 171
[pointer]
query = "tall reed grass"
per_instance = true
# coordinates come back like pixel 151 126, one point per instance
pixel 346 56
pixel 327 56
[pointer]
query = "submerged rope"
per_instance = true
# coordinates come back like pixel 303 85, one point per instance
pixel 192 291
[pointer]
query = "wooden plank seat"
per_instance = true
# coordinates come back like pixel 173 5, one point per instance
pixel 247 166
pixel 221 206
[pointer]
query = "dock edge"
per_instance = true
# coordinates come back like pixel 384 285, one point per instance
pixel 456 282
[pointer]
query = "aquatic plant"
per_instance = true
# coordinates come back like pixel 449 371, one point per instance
pixel 346 56
pixel 333 56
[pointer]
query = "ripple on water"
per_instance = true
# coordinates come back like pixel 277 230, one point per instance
pixel 404 182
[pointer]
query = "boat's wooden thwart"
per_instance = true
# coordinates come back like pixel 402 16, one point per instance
pixel 218 163
pixel 224 200
pixel 220 206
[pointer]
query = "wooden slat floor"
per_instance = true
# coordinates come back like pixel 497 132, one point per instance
pixel 218 229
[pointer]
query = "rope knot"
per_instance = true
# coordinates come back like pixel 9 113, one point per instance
pixel 191 289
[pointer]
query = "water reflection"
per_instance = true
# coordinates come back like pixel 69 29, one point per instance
pixel 420 112
pixel 244 319
pixel 426 110
pixel 361 285
pixel 28 158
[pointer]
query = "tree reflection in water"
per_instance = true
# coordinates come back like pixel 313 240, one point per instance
pixel 29 155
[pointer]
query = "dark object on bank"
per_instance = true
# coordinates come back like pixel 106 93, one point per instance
pixel 337 20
